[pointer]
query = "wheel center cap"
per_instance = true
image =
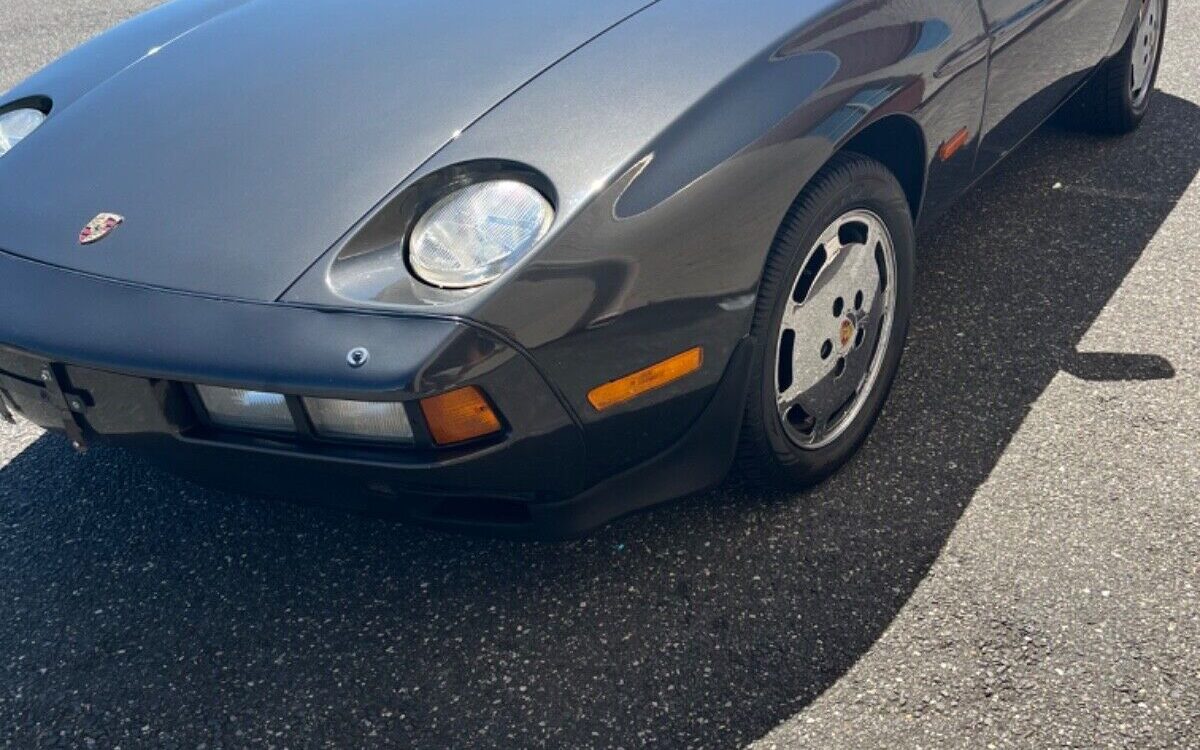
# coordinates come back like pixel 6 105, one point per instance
pixel 846 333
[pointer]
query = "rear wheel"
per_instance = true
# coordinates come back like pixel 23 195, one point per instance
pixel 831 318
pixel 1117 98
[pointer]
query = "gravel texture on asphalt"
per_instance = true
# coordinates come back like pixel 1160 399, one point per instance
pixel 1012 560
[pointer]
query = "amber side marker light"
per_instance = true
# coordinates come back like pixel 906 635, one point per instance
pixel 643 381
pixel 954 145
pixel 459 416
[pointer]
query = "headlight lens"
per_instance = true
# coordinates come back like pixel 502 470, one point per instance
pixel 16 125
pixel 472 236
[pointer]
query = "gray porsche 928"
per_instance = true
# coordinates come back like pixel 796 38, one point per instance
pixel 519 266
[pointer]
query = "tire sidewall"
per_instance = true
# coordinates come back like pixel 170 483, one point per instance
pixel 875 190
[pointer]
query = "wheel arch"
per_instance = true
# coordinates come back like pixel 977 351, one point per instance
pixel 898 142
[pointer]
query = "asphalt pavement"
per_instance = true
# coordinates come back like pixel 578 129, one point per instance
pixel 1012 561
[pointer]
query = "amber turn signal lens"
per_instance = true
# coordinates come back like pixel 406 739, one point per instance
pixel 643 381
pixel 459 416
pixel 954 145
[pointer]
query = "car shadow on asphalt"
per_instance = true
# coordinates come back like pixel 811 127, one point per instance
pixel 136 599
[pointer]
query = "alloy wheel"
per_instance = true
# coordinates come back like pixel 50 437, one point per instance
pixel 835 329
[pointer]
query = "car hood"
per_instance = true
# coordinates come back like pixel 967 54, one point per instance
pixel 240 140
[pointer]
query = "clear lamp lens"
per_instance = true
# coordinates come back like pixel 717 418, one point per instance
pixel 472 236
pixel 247 410
pixel 359 420
pixel 16 125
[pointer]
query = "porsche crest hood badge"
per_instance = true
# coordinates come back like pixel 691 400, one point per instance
pixel 99 228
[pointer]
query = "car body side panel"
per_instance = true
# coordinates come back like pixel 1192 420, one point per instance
pixel 1041 51
pixel 676 144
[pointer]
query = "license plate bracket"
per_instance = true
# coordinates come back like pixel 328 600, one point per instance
pixel 50 392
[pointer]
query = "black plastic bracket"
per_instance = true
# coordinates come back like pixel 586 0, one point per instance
pixel 71 404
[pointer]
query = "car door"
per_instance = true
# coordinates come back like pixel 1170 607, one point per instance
pixel 1041 50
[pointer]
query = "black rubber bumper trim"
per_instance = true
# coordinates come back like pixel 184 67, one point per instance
pixel 71 317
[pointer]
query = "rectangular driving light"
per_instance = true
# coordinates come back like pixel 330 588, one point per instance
pixel 359 420
pixel 643 381
pixel 247 410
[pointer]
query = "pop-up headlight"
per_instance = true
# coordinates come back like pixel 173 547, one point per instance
pixel 18 124
pixel 477 233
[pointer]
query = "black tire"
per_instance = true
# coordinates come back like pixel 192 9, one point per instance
pixel 1106 105
pixel 766 454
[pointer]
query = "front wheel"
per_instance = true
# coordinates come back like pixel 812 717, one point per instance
pixel 831 319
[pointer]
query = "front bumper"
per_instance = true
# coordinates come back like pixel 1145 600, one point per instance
pixel 102 359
